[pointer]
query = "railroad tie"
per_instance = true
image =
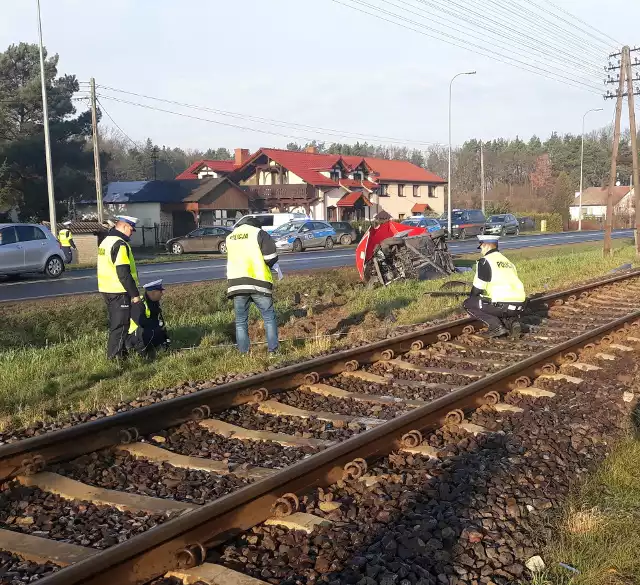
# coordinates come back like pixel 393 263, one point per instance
pixel 211 574
pixel 581 366
pixel 402 365
pixel 70 489
pixel 159 455
pixel 534 392
pixel 561 378
pixel 281 409
pixel 298 521
pixel 606 356
pixel 326 390
pixel 620 347
pixel 633 339
pixel 423 450
pixel 504 407
pixel 368 377
pixel 232 431
pixel 42 550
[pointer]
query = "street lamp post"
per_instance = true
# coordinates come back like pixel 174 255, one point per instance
pixel 47 138
pixel 581 167
pixel 449 177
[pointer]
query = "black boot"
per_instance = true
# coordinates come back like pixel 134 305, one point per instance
pixel 492 333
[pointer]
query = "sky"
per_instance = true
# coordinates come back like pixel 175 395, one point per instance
pixel 321 64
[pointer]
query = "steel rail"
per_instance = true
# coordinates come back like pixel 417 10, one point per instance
pixel 153 553
pixel 27 454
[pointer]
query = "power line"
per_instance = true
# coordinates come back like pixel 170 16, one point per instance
pixel 117 126
pixel 535 45
pixel 269 121
pixel 518 64
pixel 602 34
pixel 218 122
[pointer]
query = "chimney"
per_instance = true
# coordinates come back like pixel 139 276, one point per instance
pixel 242 156
pixel 311 150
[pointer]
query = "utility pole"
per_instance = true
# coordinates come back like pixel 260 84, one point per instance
pixel 634 144
pixel 96 151
pixel 154 158
pixel 614 156
pixel 47 138
pixel 482 184
pixel 625 67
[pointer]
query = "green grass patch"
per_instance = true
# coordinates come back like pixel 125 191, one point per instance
pixel 52 352
pixel 599 533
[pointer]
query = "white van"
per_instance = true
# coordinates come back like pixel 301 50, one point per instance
pixel 271 221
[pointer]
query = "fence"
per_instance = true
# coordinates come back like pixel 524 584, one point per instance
pixel 162 233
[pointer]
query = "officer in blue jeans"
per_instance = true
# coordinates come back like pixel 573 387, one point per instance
pixel 251 255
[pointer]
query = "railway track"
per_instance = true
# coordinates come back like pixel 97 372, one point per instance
pixel 167 482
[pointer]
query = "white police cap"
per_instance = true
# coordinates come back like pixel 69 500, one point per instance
pixel 155 285
pixel 132 221
pixel 487 239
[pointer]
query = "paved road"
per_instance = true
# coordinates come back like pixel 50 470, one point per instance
pixel 84 281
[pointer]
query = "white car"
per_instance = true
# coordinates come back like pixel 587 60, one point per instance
pixel 271 221
pixel 26 247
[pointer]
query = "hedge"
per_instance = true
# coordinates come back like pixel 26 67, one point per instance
pixel 554 220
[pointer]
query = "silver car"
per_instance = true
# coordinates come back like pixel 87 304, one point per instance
pixel 27 247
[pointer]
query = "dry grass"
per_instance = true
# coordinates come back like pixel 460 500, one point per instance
pixel 52 352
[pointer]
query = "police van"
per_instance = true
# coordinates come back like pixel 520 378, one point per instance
pixel 271 221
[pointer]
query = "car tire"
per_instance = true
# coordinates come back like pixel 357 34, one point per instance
pixel 54 267
pixel 222 247
pixel 177 248
pixel 297 246
pixel 462 234
pixel 328 244
pixel 345 239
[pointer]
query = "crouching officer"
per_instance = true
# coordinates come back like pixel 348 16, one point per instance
pixel 147 328
pixel 118 282
pixel 65 237
pixel 497 297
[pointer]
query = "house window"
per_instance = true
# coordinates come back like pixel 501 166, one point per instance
pixel 400 216
pixel 384 190
pixel 357 176
pixel 432 191
pixel 416 190
pixel 401 190
pixel 336 174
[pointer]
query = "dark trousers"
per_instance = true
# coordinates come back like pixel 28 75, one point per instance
pixel 119 309
pixel 68 254
pixel 486 312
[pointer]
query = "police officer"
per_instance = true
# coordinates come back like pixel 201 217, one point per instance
pixel 65 238
pixel 147 328
pixel 118 282
pixel 497 297
pixel 251 254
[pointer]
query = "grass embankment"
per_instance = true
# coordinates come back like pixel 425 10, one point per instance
pixel 599 535
pixel 52 352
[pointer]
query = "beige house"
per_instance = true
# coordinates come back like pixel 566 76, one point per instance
pixel 330 186
pixel 594 202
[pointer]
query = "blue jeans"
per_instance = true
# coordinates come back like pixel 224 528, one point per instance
pixel 264 303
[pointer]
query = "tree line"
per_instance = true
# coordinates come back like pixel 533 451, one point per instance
pixel 520 175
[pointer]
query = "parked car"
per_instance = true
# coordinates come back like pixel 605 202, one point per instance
pixel 346 233
pixel 526 224
pixel 298 235
pixel 26 247
pixel 428 223
pixel 464 222
pixel 204 239
pixel 271 221
pixel 502 224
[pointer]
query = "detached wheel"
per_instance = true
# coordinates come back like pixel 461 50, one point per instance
pixel 345 239
pixel 177 248
pixel 297 246
pixel 328 245
pixel 54 267
pixel 222 247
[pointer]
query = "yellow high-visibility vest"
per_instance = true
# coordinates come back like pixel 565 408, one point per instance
pixel 247 272
pixel 108 281
pixel 505 286
pixel 65 238
pixel 147 311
